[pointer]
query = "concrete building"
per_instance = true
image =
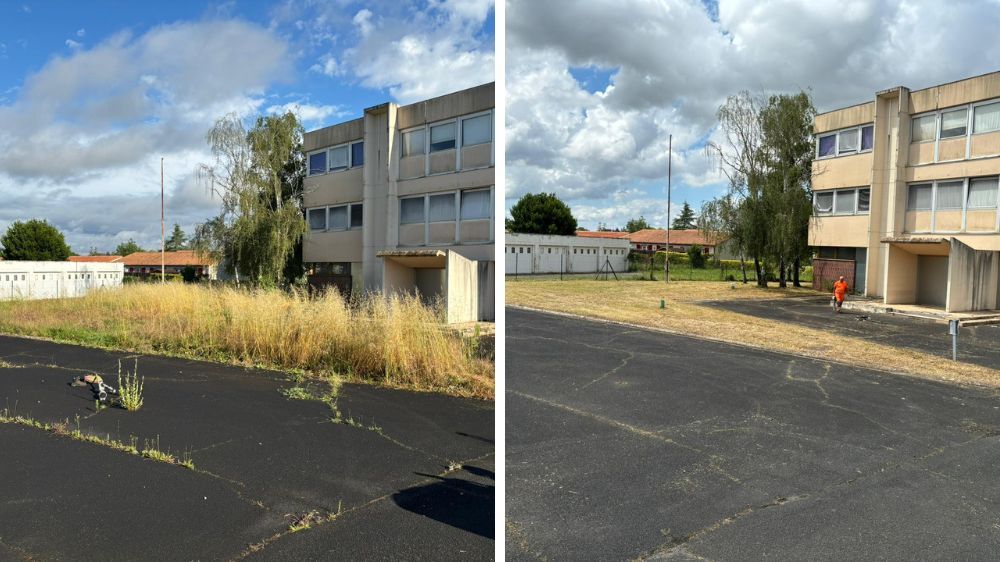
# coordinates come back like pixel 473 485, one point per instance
pixel 905 195
pixel 527 254
pixel 56 279
pixel 401 200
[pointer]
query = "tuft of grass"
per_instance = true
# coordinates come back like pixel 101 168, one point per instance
pixel 397 341
pixel 130 388
pixel 297 393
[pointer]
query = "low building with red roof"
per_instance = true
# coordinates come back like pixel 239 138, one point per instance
pixel 95 259
pixel 148 263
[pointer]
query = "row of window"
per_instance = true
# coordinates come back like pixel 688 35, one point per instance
pixel 339 217
pixel 842 201
pixel 444 136
pixel 73 276
pixel 445 207
pixel 953 195
pixel 337 158
pixel 956 122
pixel 846 141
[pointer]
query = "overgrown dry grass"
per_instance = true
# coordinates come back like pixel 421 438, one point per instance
pixel 397 342
pixel 637 302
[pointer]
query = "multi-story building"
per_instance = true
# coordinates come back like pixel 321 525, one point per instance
pixel 905 195
pixel 401 200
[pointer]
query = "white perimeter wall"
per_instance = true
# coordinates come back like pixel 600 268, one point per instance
pixel 56 279
pixel 540 253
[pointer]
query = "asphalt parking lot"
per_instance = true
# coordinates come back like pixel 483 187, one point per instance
pixel 626 444
pixel 411 477
pixel 979 345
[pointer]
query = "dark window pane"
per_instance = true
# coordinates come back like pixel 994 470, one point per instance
pixel 317 163
pixel 827 145
pixel 358 154
pixel 864 200
pixel 357 215
pixel 867 137
pixel 443 137
pixel 317 219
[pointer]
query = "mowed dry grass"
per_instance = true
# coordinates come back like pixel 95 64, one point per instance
pixel 637 302
pixel 396 342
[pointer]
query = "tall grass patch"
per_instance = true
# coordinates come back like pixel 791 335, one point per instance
pixel 397 341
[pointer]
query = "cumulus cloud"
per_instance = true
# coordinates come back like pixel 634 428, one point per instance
pixel 672 64
pixel 415 50
pixel 80 140
pixel 312 116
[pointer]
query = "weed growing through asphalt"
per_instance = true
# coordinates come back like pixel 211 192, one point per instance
pixel 297 393
pixel 130 388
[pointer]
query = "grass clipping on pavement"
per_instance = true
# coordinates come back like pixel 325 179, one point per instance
pixel 637 302
pixel 394 341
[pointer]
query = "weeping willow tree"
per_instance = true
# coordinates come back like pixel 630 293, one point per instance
pixel 257 174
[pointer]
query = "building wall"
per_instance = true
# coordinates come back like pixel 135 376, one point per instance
pixel 387 176
pixel 56 279
pixel 540 253
pixel 894 163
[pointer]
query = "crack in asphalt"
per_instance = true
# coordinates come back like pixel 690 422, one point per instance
pixel 331 517
pixel 679 542
pixel 624 362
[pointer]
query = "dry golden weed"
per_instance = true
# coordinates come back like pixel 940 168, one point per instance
pixel 396 341
pixel 637 302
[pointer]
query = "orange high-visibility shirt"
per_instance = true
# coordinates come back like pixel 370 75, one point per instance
pixel 840 289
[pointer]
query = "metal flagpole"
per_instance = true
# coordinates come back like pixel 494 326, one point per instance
pixel 666 257
pixel 163 232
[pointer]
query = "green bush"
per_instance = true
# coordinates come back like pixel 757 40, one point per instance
pixel 696 257
pixel 189 274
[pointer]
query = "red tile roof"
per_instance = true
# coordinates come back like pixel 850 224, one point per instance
pixel 677 237
pixel 178 258
pixel 95 259
pixel 600 234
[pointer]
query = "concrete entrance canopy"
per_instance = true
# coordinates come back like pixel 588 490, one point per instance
pixel 920 245
pixel 416 259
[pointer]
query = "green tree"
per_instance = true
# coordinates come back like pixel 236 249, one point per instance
pixel 126 248
pixel 685 220
pixel 635 225
pixel 696 256
pixel 543 213
pixel 786 123
pixel 257 174
pixel 177 240
pixel 35 240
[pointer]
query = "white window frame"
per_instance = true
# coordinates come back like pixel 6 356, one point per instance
pixel 966 182
pixel 402 145
pixel 326 216
pixel 347 222
pixel 458 141
pixel 833 204
pixel 327 150
pixel 970 109
pixel 836 141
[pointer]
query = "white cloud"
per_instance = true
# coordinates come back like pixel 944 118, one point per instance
pixel 672 67
pixel 73 44
pixel 81 139
pixel 413 50
pixel 312 116
pixel 81 32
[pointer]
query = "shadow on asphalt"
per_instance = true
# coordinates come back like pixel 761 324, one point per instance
pixel 456 502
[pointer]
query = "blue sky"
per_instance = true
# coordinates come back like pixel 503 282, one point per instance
pixel 92 94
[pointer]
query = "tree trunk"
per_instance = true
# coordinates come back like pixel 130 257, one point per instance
pixel 795 274
pixel 743 267
pixel 782 275
pixel 761 276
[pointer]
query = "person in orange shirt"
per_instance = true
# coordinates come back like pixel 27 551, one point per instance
pixel 839 293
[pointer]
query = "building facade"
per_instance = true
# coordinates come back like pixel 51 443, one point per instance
pixel 527 254
pixel 401 199
pixel 57 279
pixel 905 195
